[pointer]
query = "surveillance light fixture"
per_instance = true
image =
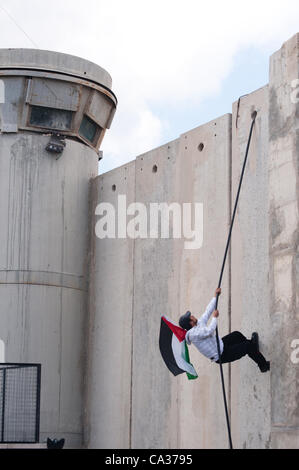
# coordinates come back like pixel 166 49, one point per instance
pixel 56 145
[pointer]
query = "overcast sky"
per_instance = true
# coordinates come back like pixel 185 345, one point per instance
pixel 174 64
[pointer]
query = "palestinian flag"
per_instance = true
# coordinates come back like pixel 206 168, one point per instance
pixel 174 349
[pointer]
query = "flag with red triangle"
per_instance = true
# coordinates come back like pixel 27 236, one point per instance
pixel 174 349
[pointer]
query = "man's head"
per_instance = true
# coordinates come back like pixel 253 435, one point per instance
pixel 187 321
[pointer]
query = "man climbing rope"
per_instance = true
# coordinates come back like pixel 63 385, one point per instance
pixel 232 347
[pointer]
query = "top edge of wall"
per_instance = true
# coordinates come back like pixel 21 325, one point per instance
pixel 167 144
pixel 293 39
pixel 211 122
pixel 250 95
pixel 142 155
pixel 123 167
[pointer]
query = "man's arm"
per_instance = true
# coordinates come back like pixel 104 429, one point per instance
pixel 210 308
pixel 206 331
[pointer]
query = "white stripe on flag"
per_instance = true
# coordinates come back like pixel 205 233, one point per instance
pixel 178 352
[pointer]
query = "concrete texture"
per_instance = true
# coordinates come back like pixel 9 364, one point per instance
pixel 204 176
pixel 283 242
pixel 154 277
pixel 108 395
pixel 251 398
pixel 154 420
pixel 43 253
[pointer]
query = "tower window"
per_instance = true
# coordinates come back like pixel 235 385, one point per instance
pixel 51 118
pixel 88 129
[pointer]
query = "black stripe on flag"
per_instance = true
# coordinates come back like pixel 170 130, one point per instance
pixel 165 341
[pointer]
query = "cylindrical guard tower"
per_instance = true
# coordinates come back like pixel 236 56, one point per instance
pixel 54 112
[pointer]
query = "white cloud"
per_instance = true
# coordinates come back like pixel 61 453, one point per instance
pixel 162 53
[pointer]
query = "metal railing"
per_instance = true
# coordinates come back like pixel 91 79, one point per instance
pixel 20 386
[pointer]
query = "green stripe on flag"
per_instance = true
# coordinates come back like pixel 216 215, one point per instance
pixel 187 359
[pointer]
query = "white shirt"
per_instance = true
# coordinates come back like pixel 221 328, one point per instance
pixel 203 336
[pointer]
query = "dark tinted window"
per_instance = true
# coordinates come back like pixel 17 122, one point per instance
pixel 88 129
pixel 51 117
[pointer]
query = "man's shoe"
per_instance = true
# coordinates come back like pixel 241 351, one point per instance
pixel 265 367
pixel 255 341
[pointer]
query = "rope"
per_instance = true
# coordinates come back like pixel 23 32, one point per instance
pixel 254 114
pixel 18 26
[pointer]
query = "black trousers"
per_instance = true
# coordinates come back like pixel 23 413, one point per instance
pixel 236 346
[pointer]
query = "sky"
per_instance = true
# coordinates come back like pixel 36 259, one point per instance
pixel 175 65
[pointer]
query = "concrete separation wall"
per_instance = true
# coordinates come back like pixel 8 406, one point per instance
pixel 251 400
pixel 283 173
pixel 154 421
pixel 205 176
pixel 108 395
pixel 133 400
pixel 135 282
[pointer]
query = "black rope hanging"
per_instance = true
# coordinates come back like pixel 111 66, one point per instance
pixel 254 114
